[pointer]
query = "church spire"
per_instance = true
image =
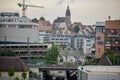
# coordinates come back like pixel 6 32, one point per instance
pixel 68 11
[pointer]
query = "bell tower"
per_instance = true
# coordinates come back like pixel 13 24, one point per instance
pixel 67 15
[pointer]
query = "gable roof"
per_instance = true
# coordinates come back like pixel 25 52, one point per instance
pixel 104 61
pixel 6 63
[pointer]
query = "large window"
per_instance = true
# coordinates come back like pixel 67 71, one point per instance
pixel 100 42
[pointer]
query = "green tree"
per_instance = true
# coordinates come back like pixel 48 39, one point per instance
pixel 89 63
pixel 52 55
pixel 7 52
pixel 11 72
pixel 16 78
pixel 32 74
pixel 42 18
pixel 76 29
pixel 114 59
pixel 35 20
pixel 24 75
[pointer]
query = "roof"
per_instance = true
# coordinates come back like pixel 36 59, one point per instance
pixel 100 68
pixel 104 61
pixel 59 20
pixel 6 63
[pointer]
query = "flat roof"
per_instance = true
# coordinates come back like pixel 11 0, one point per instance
pixel 100 69
pixel 96 72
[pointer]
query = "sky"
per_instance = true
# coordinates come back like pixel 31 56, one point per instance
pixel 88 12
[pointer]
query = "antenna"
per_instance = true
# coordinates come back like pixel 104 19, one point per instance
pixel 24 7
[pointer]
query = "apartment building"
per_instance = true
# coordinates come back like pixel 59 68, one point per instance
pixel 112 36
pixel 99 41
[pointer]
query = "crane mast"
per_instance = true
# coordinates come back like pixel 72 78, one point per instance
pixel 24 7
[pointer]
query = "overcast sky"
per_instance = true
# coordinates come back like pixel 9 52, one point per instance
pixel 85 11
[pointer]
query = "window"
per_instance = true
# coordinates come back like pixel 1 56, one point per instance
pixel 100 43
pixel 88 40
pixel 97 38
pixel 88 44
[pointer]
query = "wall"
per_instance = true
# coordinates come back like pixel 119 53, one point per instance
pixel 19 34
pixel 99 45
pixel 5 76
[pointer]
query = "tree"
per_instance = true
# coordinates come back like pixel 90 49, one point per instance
pixel 16 78
pixel 32 75
pixel 24 75
pixel 7 52
pixel 35 20
pixel 114 59
pixel 11 72
pixel 52 55
pixel 76 29
pixel 42 18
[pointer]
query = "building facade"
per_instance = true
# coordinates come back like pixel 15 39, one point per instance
pixel 112 36
pixel 27 50
pixel 15 63
pixel 98 73
pixel 99 41
pixel 45 25
pixel 76 42
pixel 17 29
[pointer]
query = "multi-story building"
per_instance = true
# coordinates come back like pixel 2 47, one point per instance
pixel 44 25
pixel 27 50
pixel 98 73
pixel 44 37
pixel 99 41
pixel 112 36
pixel 76 42
pixel 20 35
pixel 87 46
pixel 17 29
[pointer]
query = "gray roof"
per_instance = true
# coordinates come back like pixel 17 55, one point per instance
pixel 104 61
pixel 6 63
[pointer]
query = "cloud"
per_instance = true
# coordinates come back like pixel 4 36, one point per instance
pixel 66 1
pixel 60 2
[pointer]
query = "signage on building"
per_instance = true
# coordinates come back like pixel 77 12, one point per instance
pixel 112 31
pixel 107 44
pixel 112 35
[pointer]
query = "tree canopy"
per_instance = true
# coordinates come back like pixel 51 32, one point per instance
pixel 6 52
pixel 24 75
pixel 35 20
pixel 42 18
pixel 114 59
pixel 52 55
pixel 11 72
pixel 76 29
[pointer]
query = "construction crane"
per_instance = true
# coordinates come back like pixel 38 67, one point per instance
pixel 24 7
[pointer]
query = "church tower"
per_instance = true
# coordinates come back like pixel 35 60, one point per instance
pixel 67 15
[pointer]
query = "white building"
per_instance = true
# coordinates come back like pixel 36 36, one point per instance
pixel 87 46
pixel 98 73
pixel 17 29
pixel 15 63
pixel 77 42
